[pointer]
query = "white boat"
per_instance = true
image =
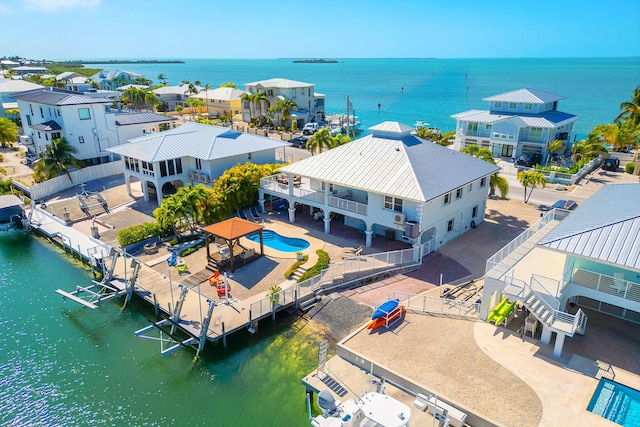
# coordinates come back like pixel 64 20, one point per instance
pixel 370 410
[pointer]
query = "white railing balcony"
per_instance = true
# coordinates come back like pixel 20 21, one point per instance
pixel 616 286
pixel 348 205
pixel 271 184
pixel 303 193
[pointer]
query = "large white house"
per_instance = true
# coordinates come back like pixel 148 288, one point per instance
pixel 311 104
pixel 172 96
pixel 388 183
pixel 563 264
pixel 517 122
pixel 88 123
pixel 192 153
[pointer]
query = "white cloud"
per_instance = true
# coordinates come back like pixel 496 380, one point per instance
pixel 5 10
pixel 56 5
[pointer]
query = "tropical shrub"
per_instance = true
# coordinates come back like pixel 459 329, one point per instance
pixel 323 262
pixel 139 232
pixel 191 249
pixel 630 167
pixel 5 186
pixel 294 267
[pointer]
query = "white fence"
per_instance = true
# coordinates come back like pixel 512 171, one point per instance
pixel 60 183
pixel 566 178
pixel 445 306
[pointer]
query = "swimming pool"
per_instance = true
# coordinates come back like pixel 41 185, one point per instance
pixel 616 402
pixel 278 242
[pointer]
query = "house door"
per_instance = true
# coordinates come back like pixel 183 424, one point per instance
pixel 507 150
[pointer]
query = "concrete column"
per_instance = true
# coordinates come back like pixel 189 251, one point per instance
pixel 127 184
pixel 416 252
pixel 292 214
pixel 159 195
pixel 557 348
pixel 368 235
pixel 261 200
pixel 145 190
pixel 546 335
pixel 327 222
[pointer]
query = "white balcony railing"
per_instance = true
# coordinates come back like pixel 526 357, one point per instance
pixel 610 285
pixel 348 205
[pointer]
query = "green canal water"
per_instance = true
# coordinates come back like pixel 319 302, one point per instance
pixel 61 364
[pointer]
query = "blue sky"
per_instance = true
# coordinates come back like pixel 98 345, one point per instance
pixel 84 29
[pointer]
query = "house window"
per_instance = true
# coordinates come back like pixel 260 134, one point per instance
pixel 84 113
pixel 512 105
pixel 29 120
pixel 459 193
pixel 171 167
pixel 487 127
pixel 58 112
pixel 472 128
pixel 474 212
pixel 163 168
pixel 470 187
pixel 447 198
pixel 55 135
pixel 31 109
pixel 41 112
pixel 39 136
pixel 483 182
pixel 147 168
pixel 178 165
pixel 81 139
pixel 535 134
pixel 393 203
pixel 249 155
pixel 498 104
pixel 198 164
pixel 450 226
pixel 528 106
pixel 46 136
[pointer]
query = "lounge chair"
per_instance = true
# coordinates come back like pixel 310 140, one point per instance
pixel 254 213
pixel 182 268
pixel 619 283
pixel 351 252
pixel 241 214
pixel 172 259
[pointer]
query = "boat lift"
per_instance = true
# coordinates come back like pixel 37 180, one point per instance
pixel 106 289
pixel 166 329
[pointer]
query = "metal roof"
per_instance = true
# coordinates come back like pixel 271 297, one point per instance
pixel 9 201
pixel 10 85
pixel 52 96
pixel 220 93
pixel 547 119
pixel 279 83
pixel 401 165
pixel 123 119
pixel 49 126
pixel 196 140
pixel 181 89
pixel 606 227
pixel 530 96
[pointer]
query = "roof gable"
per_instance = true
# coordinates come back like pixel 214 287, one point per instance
pixel 51 96
pixel 530 96
pixel 279 83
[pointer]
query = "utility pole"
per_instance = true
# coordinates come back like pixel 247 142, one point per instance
pixel 348 103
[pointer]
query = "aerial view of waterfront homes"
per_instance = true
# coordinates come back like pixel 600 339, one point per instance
pixel 508 250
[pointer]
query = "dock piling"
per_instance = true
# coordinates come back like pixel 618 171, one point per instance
pixel 224 337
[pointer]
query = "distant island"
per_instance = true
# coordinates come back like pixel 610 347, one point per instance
pixel 128 61
pixel 315 61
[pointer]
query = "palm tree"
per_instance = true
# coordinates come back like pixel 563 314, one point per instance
pixel 554 146
pixel 482 153
pixel 260 98
pixel 444 139
pixel 286 106
pixel 339 140
pixel 192 198
pixel 499 182
pixel 206 97
pixel 319 140
pixel 151 99
pixel 495 181
pixel 588 148
pixel 8 132
pixel 162 79
pixel 195 104
pixel 57 158
pixel 531 178
pixel 247 97
pixel 630 109
pixel 228 84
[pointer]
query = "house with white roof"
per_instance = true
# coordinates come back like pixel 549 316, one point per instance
pixel 25 70
pixel 570 263
pixel 172 96
pixel 221 101
pixel 517 122
pixel 7 88
pixel 388 183
pixel 88 123
pixel 192 153
pixel 311 104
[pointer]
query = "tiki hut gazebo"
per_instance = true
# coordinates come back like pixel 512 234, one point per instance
pixel 231 230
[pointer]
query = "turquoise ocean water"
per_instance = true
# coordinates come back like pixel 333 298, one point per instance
pixel 434 89
pixel 64 365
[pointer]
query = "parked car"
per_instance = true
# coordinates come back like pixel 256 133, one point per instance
pixel 567 205
pixel 299 141
pixel 310 128
pixel 611 164
pixel 528 160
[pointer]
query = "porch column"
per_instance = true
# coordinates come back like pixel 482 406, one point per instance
pixel 368 235
pixel 327 222
pixel 292 214
pixel 158 193
pixel 261 200
pixel 557 348
pixel 546 335
pixel 145 190
pixel 127 184
pixel 416 251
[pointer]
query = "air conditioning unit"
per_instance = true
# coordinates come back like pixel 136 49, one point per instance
pixel 412 229
pixel 399 218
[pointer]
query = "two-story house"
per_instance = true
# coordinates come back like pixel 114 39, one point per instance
pixel 88 123
pixel 311 104
pixel 388 183
pixel 517 122
pixel 192 153
pixel 221 101
pixel 7 88
pixel 111 79
pixel 172 96
pixel 567 264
